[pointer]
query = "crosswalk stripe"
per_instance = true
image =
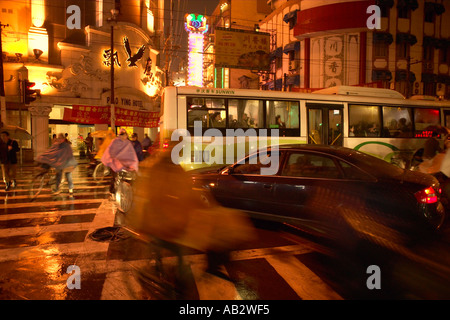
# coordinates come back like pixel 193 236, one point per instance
pixel 210 287
pixel 49 203
pixel 300 278
pixel 44 214
pixel 52 249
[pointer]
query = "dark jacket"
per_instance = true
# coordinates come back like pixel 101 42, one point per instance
pixel 9 156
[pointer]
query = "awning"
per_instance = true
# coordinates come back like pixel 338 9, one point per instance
pixel 290 16
pixel 383 37
pixel 406 37
pixel 410 4
pixel 278 53
pixel 429 77
pixel 442 78
pixel 437 8
pixel 430 41
pixel 385 3
pixel 293 46
pixel 293 80
pixel 378 75
pixel 402 75
pixel 443 43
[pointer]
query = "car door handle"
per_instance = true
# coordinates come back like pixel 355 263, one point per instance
pixel 268 186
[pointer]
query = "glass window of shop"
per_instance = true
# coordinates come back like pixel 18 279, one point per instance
pixel 76 133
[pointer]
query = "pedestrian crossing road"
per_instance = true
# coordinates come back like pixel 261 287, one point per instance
pixel 39 240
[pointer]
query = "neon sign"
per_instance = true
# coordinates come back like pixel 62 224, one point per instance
pixel 196 27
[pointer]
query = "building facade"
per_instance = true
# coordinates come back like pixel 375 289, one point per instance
pixel 237 15
pixel 66 51
pixel 320 44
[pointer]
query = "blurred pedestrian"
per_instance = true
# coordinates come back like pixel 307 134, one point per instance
pixel 137 146
pixel 60 157
pixel 89 141
pixel 147 142
pixel 119 155
pixel 8 159
pixel 168 207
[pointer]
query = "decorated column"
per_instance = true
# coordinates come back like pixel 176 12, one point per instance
pixel 39 128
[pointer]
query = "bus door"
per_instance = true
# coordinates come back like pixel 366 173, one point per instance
pixel 447 118
pixel 325 124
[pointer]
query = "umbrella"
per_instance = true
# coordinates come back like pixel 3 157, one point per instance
pixel 17 132
pixel 102 133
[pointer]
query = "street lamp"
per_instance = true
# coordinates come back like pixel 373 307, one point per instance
pixel 114 14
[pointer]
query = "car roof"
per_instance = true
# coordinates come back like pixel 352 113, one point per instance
pixel 367 162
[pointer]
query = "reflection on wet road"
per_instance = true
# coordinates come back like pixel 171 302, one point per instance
pixel 40 240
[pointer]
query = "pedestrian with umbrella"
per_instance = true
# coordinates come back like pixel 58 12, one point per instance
pixel 8 159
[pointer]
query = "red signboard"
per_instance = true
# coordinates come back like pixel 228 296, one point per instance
pixel 102 115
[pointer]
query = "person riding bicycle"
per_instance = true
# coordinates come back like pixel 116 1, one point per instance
pixel 60 157
pixel 120 155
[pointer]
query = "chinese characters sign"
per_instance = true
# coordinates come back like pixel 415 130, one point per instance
pixel 131 58
pixel 102 115
pixel 334 59
pixel 242 49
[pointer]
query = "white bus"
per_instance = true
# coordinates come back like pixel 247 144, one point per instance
pixel 380 122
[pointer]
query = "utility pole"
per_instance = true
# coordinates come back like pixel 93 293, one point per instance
pixel 2 82
pixel 114 13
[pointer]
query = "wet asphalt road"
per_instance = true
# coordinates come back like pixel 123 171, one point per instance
pixel 39 241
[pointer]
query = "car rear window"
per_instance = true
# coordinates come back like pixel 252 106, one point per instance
pixel 372 164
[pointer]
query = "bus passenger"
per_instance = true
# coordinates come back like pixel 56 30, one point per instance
pixel 217 121
pixel 280 123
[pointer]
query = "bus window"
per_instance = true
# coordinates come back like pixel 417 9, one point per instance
pixel 424 118
pixel 286 111
pixel 364 121
pixel 245 113
pixel 398 121
pixel 203 109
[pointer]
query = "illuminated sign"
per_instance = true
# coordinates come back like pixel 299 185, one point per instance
pixel 196 27
pixel 132 58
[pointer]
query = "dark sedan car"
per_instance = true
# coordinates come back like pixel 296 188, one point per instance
pixel 329 191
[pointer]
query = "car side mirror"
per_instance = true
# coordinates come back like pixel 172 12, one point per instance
pixel 227 171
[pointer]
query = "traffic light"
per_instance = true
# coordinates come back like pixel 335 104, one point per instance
pixel 29 94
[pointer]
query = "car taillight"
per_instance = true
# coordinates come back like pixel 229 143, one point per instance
pixel 427 195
